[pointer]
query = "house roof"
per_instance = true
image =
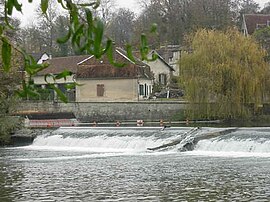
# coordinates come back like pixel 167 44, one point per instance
pixel 93 68
pixel 253 20
pixel 166 52
pixel 163 60
pixel 59 64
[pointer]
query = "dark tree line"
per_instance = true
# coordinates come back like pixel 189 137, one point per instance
pixel 175 19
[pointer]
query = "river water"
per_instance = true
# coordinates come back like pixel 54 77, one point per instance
pixel 103 164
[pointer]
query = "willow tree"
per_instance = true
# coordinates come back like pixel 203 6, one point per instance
pixel 224 75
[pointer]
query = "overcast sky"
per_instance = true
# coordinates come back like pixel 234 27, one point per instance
pixel 133 5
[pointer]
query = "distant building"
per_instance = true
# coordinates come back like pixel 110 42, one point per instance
pixel 171 54
pixel 253 22
pixel 56 66
pixel 100 81
pixel 161 69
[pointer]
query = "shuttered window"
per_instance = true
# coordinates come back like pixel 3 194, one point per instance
pixel 162 79
pixel 100 90
pixel 141 89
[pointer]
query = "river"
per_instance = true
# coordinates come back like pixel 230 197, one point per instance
pixel 113 164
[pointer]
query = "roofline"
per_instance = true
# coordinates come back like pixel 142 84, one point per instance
pixel 161 58
pixel 85 60
pixel 125 56
pixel 256 14
pixel 245 25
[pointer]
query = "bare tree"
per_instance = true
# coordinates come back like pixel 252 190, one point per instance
pixel 121 26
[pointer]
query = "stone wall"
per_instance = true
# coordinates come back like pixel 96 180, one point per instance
pixel 110 111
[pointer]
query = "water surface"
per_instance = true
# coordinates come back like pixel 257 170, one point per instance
pixel 108 165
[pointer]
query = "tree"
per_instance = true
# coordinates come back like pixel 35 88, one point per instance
pixel 211 14
pixel 9 83
pixel 121 27
pixel 85 32
pixel 61 27
pixel 225 75
pixel 105 10
pixel 46 27
pixel 266 9
pixel 31 39
pixel 249 7
pixel 263 37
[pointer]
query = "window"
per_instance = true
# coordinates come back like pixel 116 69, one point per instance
pixel 141 89
pixel 145 89
pixel 100 90
pixel 162 79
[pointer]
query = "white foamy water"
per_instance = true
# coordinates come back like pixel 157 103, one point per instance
pixel 245 142
pixel 242 142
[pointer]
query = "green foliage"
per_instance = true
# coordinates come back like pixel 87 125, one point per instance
pixel 225 76
pixel 85 32
pixel 263 37
pixel 8 125
pixel 6 54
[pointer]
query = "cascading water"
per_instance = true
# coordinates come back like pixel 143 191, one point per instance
pixel 119 140
pixel 242 142
pixel 106 139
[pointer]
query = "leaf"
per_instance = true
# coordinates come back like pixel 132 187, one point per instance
pixel 77 35
pixel 27 90
pixel 63 75
pixel 70 86
pixel 110 55
pixel 31 66
pixel 6 54
pixel 129 53
pixel 65 38
pixel 153 28
pixel 59 93
pixel 44 6
pixel 9 6
pixel 49 76
pixel 97 4
pixel 87 4
pixel 17 5
pixel 1 29
pixel 62 4
pixel 89 17
pixel 98 38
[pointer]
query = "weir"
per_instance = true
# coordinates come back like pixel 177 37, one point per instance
pixel 155 139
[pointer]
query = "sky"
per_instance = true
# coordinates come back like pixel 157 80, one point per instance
pixel 29 8
pixel 28 16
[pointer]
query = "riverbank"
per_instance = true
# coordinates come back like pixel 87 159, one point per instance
pixel 25 136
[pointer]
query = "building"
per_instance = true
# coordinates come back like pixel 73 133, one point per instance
pixel 99 80
pixel 253 22
pixel 162 71
pixel 102 82
pixel 56 66
pixel 171 54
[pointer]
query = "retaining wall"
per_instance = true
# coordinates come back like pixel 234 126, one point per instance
pixel 110 111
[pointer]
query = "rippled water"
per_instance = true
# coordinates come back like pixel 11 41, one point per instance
pixel 72 175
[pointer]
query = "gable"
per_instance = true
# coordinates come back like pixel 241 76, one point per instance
pixel 161 60
pixel 254 21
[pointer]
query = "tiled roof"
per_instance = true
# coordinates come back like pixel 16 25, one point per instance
pixel 89 67
pixel 163 60
pixel 252 20
pixel 59 64
pixel 166 52
pixel 101 68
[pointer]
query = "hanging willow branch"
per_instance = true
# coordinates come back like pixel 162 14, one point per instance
pixel 86 35
pixel 225 75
